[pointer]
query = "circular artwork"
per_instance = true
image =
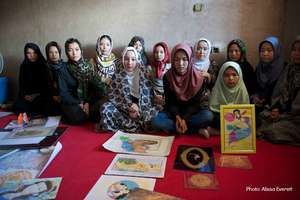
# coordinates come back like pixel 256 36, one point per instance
pixel 200 180
pixel 194 157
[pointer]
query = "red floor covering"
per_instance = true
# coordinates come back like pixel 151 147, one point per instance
pixel 83 160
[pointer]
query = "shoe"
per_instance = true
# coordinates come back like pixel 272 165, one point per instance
pixel 204 132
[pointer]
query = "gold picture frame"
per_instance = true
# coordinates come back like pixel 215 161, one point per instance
pixel 238 129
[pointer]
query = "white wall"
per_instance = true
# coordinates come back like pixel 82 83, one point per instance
pixel 173 21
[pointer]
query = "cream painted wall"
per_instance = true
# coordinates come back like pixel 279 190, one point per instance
pixel 173 21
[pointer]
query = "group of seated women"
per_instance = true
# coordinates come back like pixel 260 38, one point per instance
pixel 178 92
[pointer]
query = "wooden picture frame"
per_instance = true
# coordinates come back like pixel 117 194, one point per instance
pixel 238 129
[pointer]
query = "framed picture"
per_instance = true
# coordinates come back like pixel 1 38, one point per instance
pixel 238 129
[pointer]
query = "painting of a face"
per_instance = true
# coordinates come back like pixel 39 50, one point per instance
pixel 119 190
pixel 181 62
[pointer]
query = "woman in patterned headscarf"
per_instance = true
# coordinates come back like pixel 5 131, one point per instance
pixel 90 88
pixel 236 51
pixel 281 123
pixel 268 71
pixel 130 106
pixel 186 107
pixel 106 61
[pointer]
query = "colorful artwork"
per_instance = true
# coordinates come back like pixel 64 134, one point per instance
pixel 136 165
pixel 118 187
pixel 139 144
pixel 30 189
pixel 238 129
pixel 121 189
pixel 195 158
pixel 234 161
pixel 30 132
pixel 33 122
pixel 26 164
pixel 200 181
pixel 138 193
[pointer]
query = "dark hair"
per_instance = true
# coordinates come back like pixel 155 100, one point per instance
pixel 36 49
pixel 294 43
pixel 135 39
pixel 106 36
pixel 70 41
pixel 263 42
pixel 236 110
pixel 52 44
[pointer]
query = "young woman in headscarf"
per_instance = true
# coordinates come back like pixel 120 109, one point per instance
pixel 281 123
pixel 268 70
pixel 66 86
pixel 236 51
pixel 186 100
pixel 34 96
pixel 106 61
pixel 161 64
pixel 90 88
pixel 229 89
pixel 139 44
pixel 202 62
pixel 130 107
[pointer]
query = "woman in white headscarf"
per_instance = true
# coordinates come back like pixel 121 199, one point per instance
pixel 130 106
pixel 202 62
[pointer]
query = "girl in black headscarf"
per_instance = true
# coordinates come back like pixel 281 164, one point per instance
pixel 139 44
pixel 34 95
pixel 65 86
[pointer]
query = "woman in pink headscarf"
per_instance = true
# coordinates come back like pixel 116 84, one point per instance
pixel 160 65
pixel 186 100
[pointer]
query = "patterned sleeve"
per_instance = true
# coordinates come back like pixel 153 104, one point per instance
pixel 119 93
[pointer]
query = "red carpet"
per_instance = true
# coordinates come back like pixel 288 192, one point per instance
pixel 83 160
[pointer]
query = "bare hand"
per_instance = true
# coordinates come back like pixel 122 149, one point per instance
pixel 159 99
pixel 181 126
pixel 31 97
pixel 86 108
pixel 134 111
